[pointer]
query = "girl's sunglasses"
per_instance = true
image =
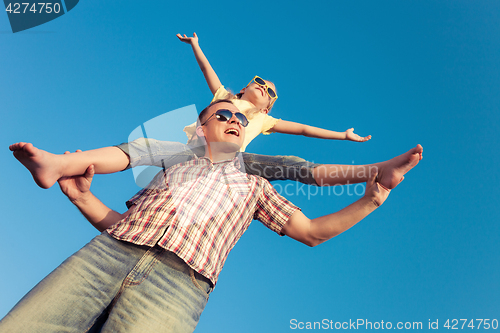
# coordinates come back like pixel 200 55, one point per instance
pixel 223 115
pixel 263 83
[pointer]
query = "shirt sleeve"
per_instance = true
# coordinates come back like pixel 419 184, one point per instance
pixel 268 124
pixel 273 210
pixel 190 131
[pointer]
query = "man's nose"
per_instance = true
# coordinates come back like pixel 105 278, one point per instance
pixel 234 119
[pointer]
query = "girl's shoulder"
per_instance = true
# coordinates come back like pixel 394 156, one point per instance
pixel 223 93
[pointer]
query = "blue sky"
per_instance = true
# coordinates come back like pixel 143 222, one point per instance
pixel 406 72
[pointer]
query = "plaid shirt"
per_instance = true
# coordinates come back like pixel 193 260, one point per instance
pixel 199 210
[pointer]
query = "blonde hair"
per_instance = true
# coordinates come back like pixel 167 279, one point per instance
pixel 250 113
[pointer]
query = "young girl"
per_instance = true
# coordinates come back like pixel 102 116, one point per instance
pixel 254 101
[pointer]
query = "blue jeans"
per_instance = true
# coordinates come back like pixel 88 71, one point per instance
pixel 113 286
pixel 166 154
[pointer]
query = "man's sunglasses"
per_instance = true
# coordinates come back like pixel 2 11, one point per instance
pixel 263 83
pixel 225 115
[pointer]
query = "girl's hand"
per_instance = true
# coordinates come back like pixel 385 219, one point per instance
pixel 350 135
pixel 188 40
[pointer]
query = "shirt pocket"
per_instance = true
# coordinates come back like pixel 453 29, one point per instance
pixel 238 188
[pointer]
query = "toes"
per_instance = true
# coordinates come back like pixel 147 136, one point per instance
pixel 16 146
pixel 29 148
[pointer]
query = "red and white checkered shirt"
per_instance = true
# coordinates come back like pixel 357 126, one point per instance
pixel 199 210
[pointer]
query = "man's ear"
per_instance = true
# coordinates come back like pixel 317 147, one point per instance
pixel 200 132
pixel 264 110
pixel 242 91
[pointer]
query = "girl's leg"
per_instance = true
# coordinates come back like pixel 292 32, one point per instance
pixel 280 168
pixel 46 168
pixel 163 154
pixel 390 173
pixel 154 153
pixel 339 174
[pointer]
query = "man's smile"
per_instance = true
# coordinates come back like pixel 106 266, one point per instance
pixel 232 131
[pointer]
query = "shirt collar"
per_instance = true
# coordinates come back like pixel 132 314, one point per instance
pixel 237 161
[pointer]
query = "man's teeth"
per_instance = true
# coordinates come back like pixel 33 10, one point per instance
pixel 233 132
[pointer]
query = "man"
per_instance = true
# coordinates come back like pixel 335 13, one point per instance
pixel 154 267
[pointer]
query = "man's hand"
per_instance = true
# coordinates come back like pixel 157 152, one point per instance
pixel 350 135
pixel 376 192
pixel 188 40
pixel 76 187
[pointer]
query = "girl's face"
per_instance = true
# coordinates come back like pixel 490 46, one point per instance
pixel 258 96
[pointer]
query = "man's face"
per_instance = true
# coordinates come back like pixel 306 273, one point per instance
pixel 228 135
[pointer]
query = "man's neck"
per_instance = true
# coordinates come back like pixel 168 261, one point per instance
pixel 216 155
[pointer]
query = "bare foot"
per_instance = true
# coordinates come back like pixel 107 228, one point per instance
pixel 40 163
pixel 392 172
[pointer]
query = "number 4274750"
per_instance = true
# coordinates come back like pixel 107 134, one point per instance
pixel 35 8
pixel 460 324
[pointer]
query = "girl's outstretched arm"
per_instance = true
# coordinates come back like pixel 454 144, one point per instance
pixel 209 73
pixel 288 127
